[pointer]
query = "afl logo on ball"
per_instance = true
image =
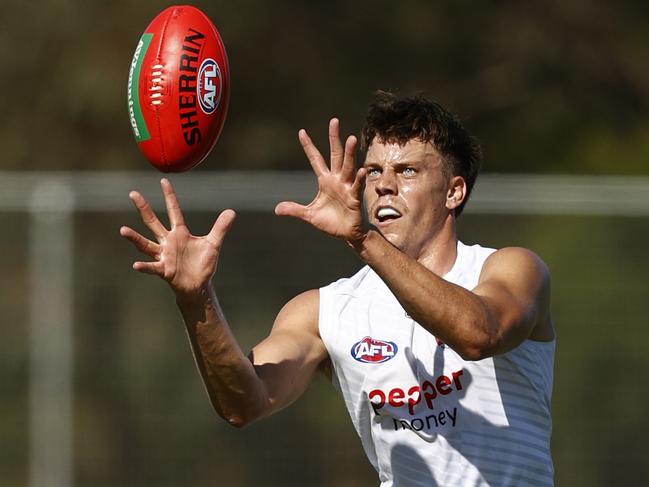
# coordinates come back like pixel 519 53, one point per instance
pixel 371 351
pixel 209 86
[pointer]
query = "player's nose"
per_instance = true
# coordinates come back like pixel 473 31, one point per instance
pixel 387 182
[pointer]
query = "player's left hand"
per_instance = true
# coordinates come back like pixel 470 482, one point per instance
pixel 336 209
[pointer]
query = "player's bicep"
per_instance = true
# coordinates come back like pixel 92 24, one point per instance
pixel 514 286
pixel 289 357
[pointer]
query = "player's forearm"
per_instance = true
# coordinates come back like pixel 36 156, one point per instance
pixel 453 314
pixel 236 392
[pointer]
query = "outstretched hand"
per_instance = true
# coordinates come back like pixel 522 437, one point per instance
pixel 187 262
pixel 336 209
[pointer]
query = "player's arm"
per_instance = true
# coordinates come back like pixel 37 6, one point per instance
pixel 509 304
pixel 239 390
pixel 278 370
pixel 289 357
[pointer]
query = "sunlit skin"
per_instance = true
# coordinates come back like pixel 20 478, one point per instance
pixel 410 200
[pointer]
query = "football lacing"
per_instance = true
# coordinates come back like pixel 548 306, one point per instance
pixel 157 79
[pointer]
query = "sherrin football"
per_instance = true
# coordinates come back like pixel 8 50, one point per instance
pixel 178 89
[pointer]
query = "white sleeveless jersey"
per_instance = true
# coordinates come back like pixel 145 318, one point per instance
pixel 425 416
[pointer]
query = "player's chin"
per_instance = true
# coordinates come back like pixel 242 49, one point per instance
pixel 394 238
pixel 389 231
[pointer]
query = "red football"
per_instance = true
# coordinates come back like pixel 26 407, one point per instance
pixel 178 89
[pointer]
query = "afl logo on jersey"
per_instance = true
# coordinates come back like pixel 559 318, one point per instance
pixel 371 351
pixel 208 87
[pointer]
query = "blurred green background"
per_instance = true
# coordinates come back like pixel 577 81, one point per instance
pixel 549 87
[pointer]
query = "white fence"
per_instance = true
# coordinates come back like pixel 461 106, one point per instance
pixel 260 190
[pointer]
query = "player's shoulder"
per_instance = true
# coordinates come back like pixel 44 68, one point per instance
pixel 305 303
pixel 520 255
pixel 304 309
pixel 300 314
pixel 517 261
pixel 353 284
pixel 305 306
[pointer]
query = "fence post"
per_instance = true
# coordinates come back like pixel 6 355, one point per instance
pixel 51 344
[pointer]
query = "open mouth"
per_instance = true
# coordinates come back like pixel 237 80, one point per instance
pixel 386 214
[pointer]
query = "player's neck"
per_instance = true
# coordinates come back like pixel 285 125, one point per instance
pixel 440 252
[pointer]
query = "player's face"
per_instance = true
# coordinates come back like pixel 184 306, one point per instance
pixel 406 194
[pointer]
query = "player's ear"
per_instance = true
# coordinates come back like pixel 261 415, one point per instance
pixel 456 192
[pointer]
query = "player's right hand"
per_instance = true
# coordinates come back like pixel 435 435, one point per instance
pixel 187 262
pixel 337 208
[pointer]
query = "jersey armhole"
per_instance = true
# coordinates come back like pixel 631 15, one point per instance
pixel 324 330
pixel 323 314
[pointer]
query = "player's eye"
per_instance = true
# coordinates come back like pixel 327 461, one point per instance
pixel 409 171
pixel 373 172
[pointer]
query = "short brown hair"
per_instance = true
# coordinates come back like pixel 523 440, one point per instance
pixel 391 120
